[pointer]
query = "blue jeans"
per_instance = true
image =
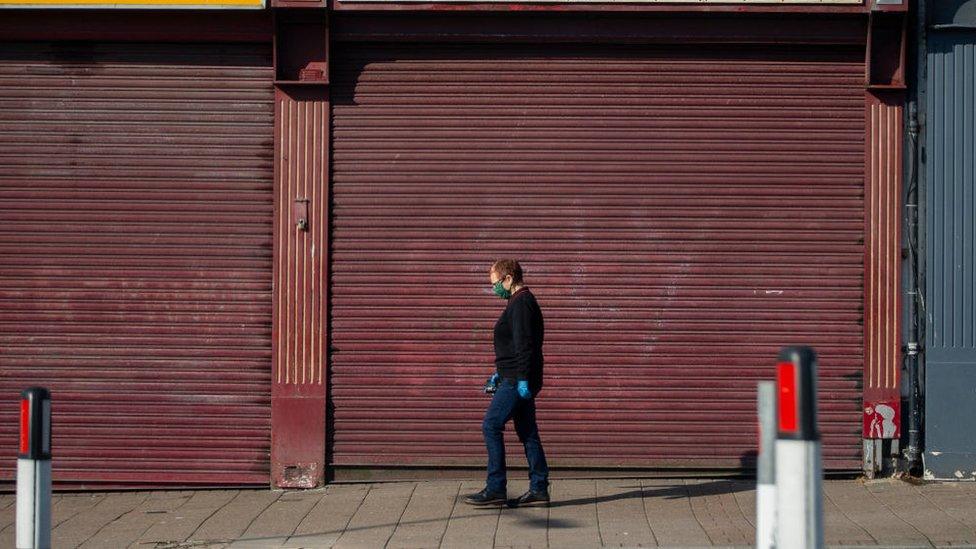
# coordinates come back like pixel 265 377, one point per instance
pixel 506 405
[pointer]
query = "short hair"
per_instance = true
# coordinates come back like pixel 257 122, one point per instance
pixel 506 267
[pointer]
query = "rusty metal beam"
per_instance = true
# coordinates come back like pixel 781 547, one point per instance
pixel 882 264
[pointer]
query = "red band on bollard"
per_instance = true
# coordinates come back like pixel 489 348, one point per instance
pixel 796 378
pixel 35 423
pixel 786 380
pixel 24 426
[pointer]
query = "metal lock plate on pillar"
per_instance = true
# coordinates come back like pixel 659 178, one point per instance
pixel 300 213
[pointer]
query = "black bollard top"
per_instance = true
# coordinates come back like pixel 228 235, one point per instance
pixel 35 423
pixel 796 383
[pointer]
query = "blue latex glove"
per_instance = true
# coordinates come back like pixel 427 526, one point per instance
pixel 523 389
pixel 493 380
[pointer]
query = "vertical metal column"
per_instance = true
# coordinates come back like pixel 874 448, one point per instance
pixel 34 470
pixel 301 246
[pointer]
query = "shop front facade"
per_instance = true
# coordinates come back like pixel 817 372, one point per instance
pixel 252 245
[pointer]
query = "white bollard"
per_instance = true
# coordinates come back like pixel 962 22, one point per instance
pixel 766 466
pixel 34 470
pixel 799 472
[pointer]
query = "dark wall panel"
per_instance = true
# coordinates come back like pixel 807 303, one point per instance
pixel 950 353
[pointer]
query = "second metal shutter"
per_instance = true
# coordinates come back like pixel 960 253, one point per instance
pixel 681 214
pixel 135 257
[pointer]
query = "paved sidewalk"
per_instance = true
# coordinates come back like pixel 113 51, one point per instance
pixel 584 513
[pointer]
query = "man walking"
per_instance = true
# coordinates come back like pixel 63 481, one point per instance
pixel 517 380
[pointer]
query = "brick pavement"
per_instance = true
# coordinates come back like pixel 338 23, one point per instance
pixel 583 513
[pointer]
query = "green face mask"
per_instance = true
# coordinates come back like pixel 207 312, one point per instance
pixel 500 290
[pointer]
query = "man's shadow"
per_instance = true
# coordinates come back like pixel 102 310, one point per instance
pixel 676 491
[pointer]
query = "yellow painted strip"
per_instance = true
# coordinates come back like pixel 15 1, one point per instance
pixel 135 2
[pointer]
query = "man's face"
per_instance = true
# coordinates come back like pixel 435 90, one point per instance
pixel 495 277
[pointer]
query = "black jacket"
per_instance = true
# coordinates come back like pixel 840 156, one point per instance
pixel 519 333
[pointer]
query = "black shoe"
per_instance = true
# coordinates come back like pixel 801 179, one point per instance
pixel 532 499
pixel 485 497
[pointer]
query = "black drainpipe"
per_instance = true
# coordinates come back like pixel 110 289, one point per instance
pixel 914 217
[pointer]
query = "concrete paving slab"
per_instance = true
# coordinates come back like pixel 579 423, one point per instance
pixel 9 501
pixel 522 527
pixel 130 526
pixel 471 527
pixel 63 508
pixel 744 492
pixel 669 513
pixel 263 542
pixel 857 504
pixel 425 519
pixel 69 505
pixel 914 509
pixel 956 499
pixel 88 523
pixel 8 532
pixel 584 513
pixel 8 518
pixel 840 530
pixel 230 521
pixel 276 524
pixel 718 512
pixel 377 517
pixel 178 525
pixel 8 514
pixel 620 510
pixel 329 517
pixel 573 520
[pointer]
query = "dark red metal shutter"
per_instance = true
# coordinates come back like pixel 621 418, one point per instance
pixel 135 257
pixel 682 214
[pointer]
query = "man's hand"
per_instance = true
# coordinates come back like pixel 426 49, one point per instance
pixel 523 390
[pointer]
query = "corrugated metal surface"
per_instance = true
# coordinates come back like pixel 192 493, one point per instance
pixel 682 213
pixel 135 257
pixel 950 214
pixel 882 280
pixel 302 195
pixel 951 176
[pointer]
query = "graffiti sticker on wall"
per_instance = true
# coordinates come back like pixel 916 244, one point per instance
pixel 881 419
